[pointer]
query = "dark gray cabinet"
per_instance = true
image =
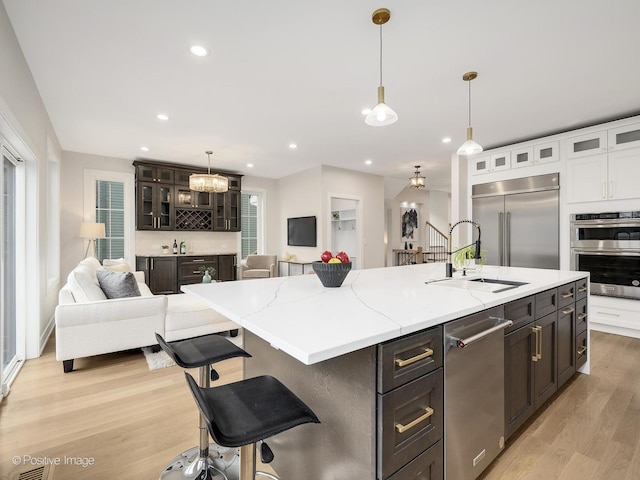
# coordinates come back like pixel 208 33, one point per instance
pixel 543 349
pixel 410 407
pixel 226 211
pixel 160 273
pixel 154 207
pixel 166 274
pixel 164 200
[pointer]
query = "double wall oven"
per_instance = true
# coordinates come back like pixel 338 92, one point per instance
pixel 607 245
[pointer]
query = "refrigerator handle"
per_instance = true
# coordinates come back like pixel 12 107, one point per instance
pixel 508 240
pixel 500 239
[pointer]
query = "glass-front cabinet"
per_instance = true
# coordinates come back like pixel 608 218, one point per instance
pixel 187 198
pixel 154 207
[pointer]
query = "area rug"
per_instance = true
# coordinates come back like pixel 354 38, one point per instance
pixel 156 358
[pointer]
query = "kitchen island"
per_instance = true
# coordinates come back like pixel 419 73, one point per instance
pixel 326 344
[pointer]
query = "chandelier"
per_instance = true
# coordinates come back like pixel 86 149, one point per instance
pixel 206 182
pixel 417 181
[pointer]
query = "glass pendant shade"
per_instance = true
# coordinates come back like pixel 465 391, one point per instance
pixel 206 182
pixel 470 147
pixel 381 114
pixel 417 181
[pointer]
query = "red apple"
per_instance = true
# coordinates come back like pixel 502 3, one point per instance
pixel 344 258
pixel 326 256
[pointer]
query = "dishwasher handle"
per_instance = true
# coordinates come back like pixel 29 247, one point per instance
pixel 465 342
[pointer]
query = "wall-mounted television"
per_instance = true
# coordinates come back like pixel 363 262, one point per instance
pixel 301 231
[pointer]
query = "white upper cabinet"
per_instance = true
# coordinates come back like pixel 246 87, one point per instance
pixel 612 176
pixel 522 157
pixel 546 152
pixel 500 161
pixel 480 165
pixel 624 137
pixel 586 145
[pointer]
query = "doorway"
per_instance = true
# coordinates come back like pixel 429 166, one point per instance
pixel 345 229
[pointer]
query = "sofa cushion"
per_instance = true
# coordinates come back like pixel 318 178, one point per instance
pixel 83 282
pixel 118 284
pixel 116 265
pixel 256 273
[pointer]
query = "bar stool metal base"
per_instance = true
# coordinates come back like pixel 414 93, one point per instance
pixel 222 464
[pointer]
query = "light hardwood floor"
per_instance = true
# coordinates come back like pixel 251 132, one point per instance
pixel 132 421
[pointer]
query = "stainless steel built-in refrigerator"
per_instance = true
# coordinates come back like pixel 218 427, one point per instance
pixel 519 219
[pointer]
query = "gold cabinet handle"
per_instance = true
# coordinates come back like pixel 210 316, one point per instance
pixel 567 295
pixel 403 363
pixel 582 316
pixel 581 350
pixel 582 289
pixel 567 311
pixel 403 428
pixel 538 353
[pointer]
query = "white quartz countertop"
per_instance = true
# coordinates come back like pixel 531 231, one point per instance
pixel 182 255
pixel 312 323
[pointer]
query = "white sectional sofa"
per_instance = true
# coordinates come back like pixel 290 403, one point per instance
pixel 88 323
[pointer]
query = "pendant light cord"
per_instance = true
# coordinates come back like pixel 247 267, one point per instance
pixel 380 54
pixel 469 81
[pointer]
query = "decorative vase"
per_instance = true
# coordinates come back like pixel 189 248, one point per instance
pixel 206 278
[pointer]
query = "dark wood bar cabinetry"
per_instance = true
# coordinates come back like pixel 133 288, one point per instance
pixel 164 200
pixel 166 274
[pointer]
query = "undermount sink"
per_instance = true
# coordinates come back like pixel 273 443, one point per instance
pixel 491 285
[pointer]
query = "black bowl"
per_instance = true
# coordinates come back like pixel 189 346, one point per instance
pixel 331 274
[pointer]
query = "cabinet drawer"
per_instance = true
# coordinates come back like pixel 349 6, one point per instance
pixel 428 466
pixel 408 358
pixel 192 270
pixel 581 315
pixel 581 349
pixel 566 294
pixel 197 261
pixel 520 312
pixel 546 302
pixel 410 420
pixel 582 288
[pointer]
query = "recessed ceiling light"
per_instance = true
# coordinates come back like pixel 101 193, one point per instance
pixel 144 149
pixel 366 111
pixel 368 162
pixel 293 146
pixel 199 51
pixel 249 165
pixel 446 140
pixel 162 116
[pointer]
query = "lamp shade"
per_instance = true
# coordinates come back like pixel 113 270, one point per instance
pixel 470 147
pixel 92 230
pixel 381 114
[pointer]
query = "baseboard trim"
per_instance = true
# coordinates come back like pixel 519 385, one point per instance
pixel 44 338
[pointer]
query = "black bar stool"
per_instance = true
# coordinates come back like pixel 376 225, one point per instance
pixel 249 411
pixel 206 461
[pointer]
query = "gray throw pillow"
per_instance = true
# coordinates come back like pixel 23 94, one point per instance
pixel 118 284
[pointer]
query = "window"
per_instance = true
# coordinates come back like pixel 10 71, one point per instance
pixel 249 235
pixel 109 199
pixel 110 211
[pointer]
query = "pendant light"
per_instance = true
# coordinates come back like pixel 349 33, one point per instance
pixel 469 147
pixel 417 181
pixel 205 182
pixel 381 114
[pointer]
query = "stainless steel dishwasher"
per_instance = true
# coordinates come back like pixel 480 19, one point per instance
pixel 474 392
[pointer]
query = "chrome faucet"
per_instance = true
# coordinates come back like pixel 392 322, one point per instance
pixel 449 265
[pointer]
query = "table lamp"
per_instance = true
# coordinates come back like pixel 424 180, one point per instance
pixel 92 231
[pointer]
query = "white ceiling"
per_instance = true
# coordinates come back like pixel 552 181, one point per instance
pixel 285 71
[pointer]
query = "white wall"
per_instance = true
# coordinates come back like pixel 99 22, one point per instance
pixel 25 124
pixel 300 195
pixel 72 171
